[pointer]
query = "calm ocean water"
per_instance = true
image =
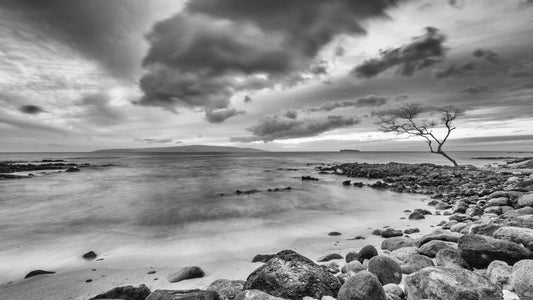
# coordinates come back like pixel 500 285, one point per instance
pixel 171 203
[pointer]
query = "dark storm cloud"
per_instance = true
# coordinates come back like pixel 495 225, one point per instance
pixel 219 115
pixel 31 109
pixel 453 70
pixel 422 52
pixel 214 49
pixel 101 30
pixel 488 55
pixel 475 89
pixel 275 127
pixel 368 101
pixel 154 141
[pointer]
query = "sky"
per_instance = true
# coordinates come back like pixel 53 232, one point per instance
pixel 279 75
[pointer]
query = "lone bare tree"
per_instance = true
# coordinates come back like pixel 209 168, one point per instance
pixel 407 120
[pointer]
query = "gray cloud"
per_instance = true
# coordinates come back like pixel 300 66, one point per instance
pixel 98 110
pixel 221 114
pixel 488 55
pixel 475 89
pixel 31 109
pixel 247 99
pixel 275 127
pixel 453 70
pixel 420 53
pixel 369 101
pixel 214 49
pixel 154 141
pixel 291 114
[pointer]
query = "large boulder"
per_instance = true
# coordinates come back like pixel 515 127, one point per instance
pixel 437 236
pixel 479 250
pixel 329 257
pixel 125 292
pixel 394 243
pixel 255 295
pixel 431 248
pixel 499 273
pixel 362 286
pixel 186 273
pixel 438 283
pixel 525 200
pixel 367 252
pixel 517 235
pixel 449 258
pixel 522 279
pixel 183 295
pixel 386 269
pixel 227 289
pixel 403 253
pixel 415 263
pixel 390 232
pixel 353 266
pixel 292 276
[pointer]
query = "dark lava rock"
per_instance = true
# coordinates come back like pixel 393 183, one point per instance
pixel 479 250
pixel 89 255
pixel 416 216
pixel 309 178
pixel 186 273
pixel 262 257
pixel 358 184
pixel 386 269
pixel 183 295
pixel 125 292
pixel 367 252
pixel 438 283
pixel 329 257
pixel 389 232
pixel 292 276
pixel 334 233
pixel 37 272
pixel 347 182
pixel 362 286
pixel 227 289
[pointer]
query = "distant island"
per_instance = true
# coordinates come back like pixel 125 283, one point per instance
pixel 350 150
pixel 184 149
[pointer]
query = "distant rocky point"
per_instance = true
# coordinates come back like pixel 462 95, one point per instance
pixel 350 150
pixel 184 149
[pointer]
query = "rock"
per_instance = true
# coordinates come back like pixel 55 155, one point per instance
pixel 528 210
pixel 500 201
pixel 394 289
pixel 448 258
pixel 334 233
pixel 262 257
pixel 89 255
pixel 459 217
pixel 415 262
pixel 522 279
pixel 72 169
pixel 292 276
pixel 386 269
pixel 309 178
pixel 226 289
pixel 450 224
pixel 333 268
pixel 442 206
pixel 437 235
pixel 183 295
pixel 459 207
pixel 525 200
pixel 431 248
pixel 353 266
pixel 423 211
pixel 255 295
pixel 416 216
pixel 38 272
pixel 347 182
pixel 367 252
pixel 458 227
pixel 499 273
pixel 493 210
pixel 484 229
pixel 362 286
pixel 411 230
pixel 125 292
pixel 329 257
pixel 403 253
pixel 438 283
pixel 479 250
pixel 394 243
pixel 389 232
pixel 186 273
pixel 351 256
pixel 517 235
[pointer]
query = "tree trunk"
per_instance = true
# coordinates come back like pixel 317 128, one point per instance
pixel 448 157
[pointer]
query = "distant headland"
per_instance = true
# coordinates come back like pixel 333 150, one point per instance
pixel 184 149
pixel 350 150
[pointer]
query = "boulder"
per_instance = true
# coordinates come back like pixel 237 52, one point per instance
pixel 292 276
pixel 431 248
pixel 389 232
pixel 416 216
pixel 353 266
pixel 255 295
pixel 438 283
pixel 183 295
pixel 449 258
pixel 499 201
pixel 186 273
pixel 458 227
pixel 459 217
pixel 479 250
pixel 89 255
pixel 329 257
pixel 362 286
pixel 386 269
pixel 394 289
pixel 351 256
pixel 415 263
pixel 38 272
pixel 227 289
pixel 522 279
pixel 411 230
pixel 394 243
pixel 525 200
pixel 262 257
pixel 423 211
pixel 499 273
pixel 437 236
pixel 403 253
pixel 517 235
pixel 367 252
pixel 125 292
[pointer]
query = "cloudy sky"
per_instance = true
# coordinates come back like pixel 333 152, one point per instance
pixel 282 75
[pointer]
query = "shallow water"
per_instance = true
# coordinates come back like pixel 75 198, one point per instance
pixel 171 204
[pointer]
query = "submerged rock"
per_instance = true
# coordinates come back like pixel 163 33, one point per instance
pixel 128 292
pixel 186 273
pixel 293 276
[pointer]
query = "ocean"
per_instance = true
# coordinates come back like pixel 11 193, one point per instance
pixel 186 205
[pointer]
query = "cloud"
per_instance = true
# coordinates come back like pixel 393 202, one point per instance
pixel 420 53
pixel 98 110
pixel 368 101
pixel 31 109
pixel 453 71
pixel 275 127
pixel 107 32
pixel 213 49
pixel 475 89
pixel 30 125
pixel 247 99
pixel 154 141
pixel 402 97
pixel 291 114
pixel 221 114
pixel 488 55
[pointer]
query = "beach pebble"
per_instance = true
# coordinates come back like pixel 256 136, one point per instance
pixel 351 256
pixel 227 289
pixel 125 292
pixel 517 235
pixel 186 273
pixel 362 286
pixel 255 295
pixel 394 289
pixel 411 230
pixel 386 269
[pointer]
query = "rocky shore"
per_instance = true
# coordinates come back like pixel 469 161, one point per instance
pixel 23 169
pixel 482 250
